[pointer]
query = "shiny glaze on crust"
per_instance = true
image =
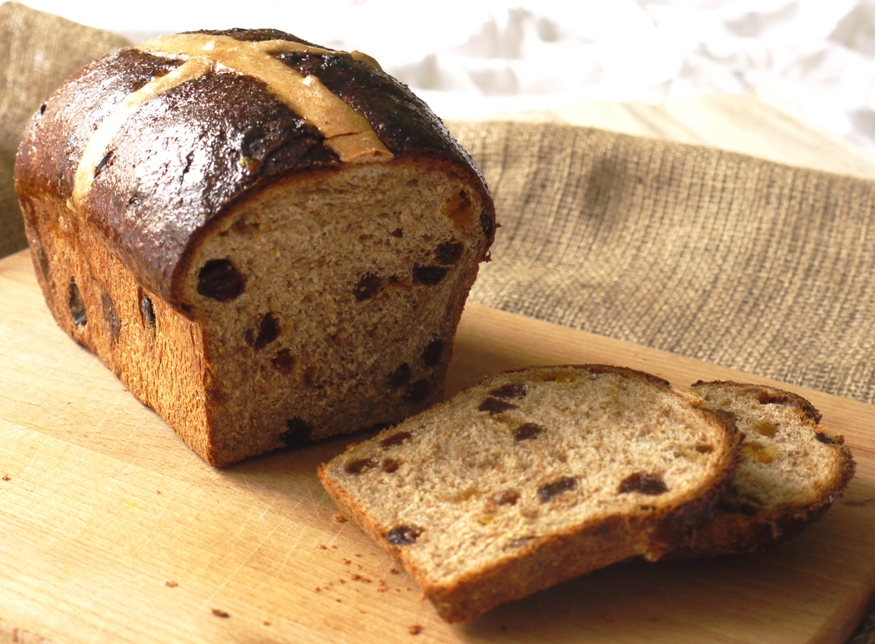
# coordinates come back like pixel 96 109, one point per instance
pixel 187 154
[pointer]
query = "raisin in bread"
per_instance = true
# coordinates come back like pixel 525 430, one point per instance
pixel 534 477
pixel 269 242
pixel 791 471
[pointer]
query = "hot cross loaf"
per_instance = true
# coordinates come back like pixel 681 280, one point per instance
pixel 269 242
pixel 539 475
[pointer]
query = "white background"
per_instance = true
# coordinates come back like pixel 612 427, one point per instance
pixel 470 57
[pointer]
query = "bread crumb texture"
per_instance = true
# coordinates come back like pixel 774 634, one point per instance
pixel 533 477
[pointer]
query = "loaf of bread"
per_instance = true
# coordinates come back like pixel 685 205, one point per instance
pixel 791 471
pixel 269 242
pixel 534 477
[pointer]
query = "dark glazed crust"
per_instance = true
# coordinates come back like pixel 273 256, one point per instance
pixel 151 202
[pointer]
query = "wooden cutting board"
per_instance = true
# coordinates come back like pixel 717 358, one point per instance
pixel 111 530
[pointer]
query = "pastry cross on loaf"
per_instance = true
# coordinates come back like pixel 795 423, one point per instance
pixel 268 241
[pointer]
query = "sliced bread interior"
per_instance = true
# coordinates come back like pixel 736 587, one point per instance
pixel 533 477
pixel 791 470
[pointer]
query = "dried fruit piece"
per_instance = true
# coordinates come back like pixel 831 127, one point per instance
pixel 764 428
pixel 418 391
pixel 310 377
pixel 827 439
pixel 495 406
pixel 643 483
pixel 428 275
pixel 358 466
pixel 433 353
pixel 147 311
pixel 297 433
pixel 111 315
pixel 757 452
pixel 284 361
pixel 368 286
pixel 77 306
pixel 395 439
pixel 506 497
pixel 527 431
pixel 449 253
pixel 549 490
pixel 220 280
pixel 268 331
pixel 487 225
pixel 390 465
pixel 511 390
pixel 400 377
pixel 105 161
pixel 403 535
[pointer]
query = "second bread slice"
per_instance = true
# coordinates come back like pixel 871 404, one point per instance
pixel 791 471
pixel 534 477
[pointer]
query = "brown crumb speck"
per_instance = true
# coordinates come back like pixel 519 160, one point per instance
pixel 218 612
pixel 339 518
pixel 393 571
pixel 266 623
pixel 347 561
pixel 323 547
pixel 318 589
pixel 171 584
pixel 6 477
pixel 416 629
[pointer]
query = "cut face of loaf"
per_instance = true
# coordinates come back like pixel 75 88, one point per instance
pixel 329 304
pixel 269 242
pixel 534 477
pixel 790 472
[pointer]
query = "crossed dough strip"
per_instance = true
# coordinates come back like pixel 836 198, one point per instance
pixel 347 133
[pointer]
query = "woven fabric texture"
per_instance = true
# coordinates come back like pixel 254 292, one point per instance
pixel 713 255
pixel 37 52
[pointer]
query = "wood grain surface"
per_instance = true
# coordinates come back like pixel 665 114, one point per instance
pixel 111 530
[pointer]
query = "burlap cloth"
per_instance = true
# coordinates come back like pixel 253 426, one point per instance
pixel 713 255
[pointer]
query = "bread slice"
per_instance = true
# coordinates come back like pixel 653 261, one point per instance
pixel 791 471
pixel 533 477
